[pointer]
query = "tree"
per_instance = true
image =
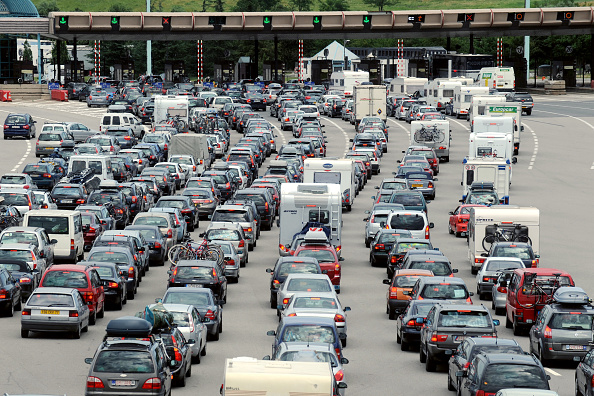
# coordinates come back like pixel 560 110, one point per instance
pixel 64 56
pixel 334 5
pixel 301 5
pixel 47 6
pixel 27 53
pixel 381 4
pixel 119 8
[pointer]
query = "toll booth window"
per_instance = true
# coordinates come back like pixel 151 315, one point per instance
pixel 319 216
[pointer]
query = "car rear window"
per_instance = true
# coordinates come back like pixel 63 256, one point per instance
pixel 50 137
pixel 408 222
pixel 69 191
pixel 323 256
pixel 515 349
pixel 571 321
pixel 406 280
pixel 315 302
pixel 297 268
pixel 404 247
pixel 258 199
pixel 189 298
pixel 464 318
pixel 407 199
pixel 438 268
pixel 308 333
pixel 445 291
pixel 501 376
pixel 14 199
pixel 19 237
pixel 73 279
pixel 494 265
pixel 379 218
pixel 6 179
pixel 195 272
pixel 394 186
pixel 105 272
pixel 52 224
pixel 50 300
pixel 109 257
pixel 230 215
pixel 224 235
pixel 308 285
pixel 521 252
pixel 15 119
pixel 120 361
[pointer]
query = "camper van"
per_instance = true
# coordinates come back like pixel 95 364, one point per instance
pixel 407 85
pixel 478 103
pixel 439 92
pixel 500 220
pixel 434 134
pixel 463 98
pixel 171 106
pixel 509 110
pixel 347 80
pixel 491 132
pixel 487 169
pixel 333 171
pixel 500 78
pixel 305 204
pixel 249 376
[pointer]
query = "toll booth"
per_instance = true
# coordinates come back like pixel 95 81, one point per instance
pixel 373 67
pixel 269 72
pixel 175 70
pixel 70 71
pixel 321 70
pixel 245 70
pixel 123 70
pixel 223 71
pixel 564 69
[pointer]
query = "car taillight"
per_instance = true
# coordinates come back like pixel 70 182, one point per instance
pixel 339 375
pixel 169 234
pixel 140 161
pixel 338 354
pixel 120 211
pixel 339 318
pixel 247 229
pixel 131 272
pixel 3 293
pixel 88 296
pixel 242 243
pixel 468 300
pixel 6 126
pixel 209 314
pixel 502 289
pixel 72 244
pixel 436 337
pixel 95 383
pixel 548 333
pixel 266 206
pixel 285 301
pixel 26 312
pixel 426 232
pixel 80 201
pixel 534 263
pixel 178 355
pixel 152 383
pixel 73 314
pixel 479 260
pixel 379 246
pixel 24 280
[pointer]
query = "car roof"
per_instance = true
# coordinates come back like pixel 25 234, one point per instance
pixel 24 229
pixel 304 320
pixel 494 358
pixel 196 263
pixel 54 290
pixel 308 276
pixel 442 279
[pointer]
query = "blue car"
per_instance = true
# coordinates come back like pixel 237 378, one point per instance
pixel 307 329
pixel 19 125
pixel 45 174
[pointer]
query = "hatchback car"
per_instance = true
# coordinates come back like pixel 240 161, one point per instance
pixel 381 245
pixel 459 217
pixel 19 125
pixel 199 273
pixel 11 296
pixel 489 273
pixel 399 288
pixel 441 288
pixel 410 322
pixel 327 258
pixel 301 283
pixel 288 265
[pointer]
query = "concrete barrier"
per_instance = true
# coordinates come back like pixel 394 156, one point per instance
pixel 60 95
pixel 554 87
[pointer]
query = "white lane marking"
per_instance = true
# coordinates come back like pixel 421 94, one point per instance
pixel 461 124
pixel 592 167
pixel 553 372
pixel 346 136
pixel 282 134
pixel 24 157
pixel 566 115
pixel 535 150
pixel 399 125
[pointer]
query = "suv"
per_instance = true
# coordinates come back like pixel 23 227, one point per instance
pixel 563 329
pixel 132 355
pixel 414 221
pixel 520 250
pixel 19 125
pixel 241 215
pixel 264 202
pixel 524 98
pixel 85 279
pixel 199 273
pixel 447 325
pixel 115 198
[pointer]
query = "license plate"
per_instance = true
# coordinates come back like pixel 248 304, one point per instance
pixel 67 201
pixel 459 338
pixel 416 185
pixel 194 285
pixel 49 312
pixel 123 382
pixel 576 347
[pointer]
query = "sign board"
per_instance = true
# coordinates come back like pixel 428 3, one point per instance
pixel 158 85
pixel 486 76
pixel 207 84
pixel 503 109
pixel 53 86
pixel 105 85
pixel 260 84
pixel 309 83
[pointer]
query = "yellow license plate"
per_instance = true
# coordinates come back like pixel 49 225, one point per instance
pixel 416 185
pixel 49 312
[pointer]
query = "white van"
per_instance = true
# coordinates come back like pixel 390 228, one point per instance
pixel 500 78
pixel 463 98
pixel 487 169
pixel 65 226
pixel 413 220
pixel 513 110
pixel 99 163
pixel 333 171
pixel 407 85
pixel 121 119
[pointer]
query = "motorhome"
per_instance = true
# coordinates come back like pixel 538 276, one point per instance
pixel 407 85
pixel 499 78
pixel 463 98
pixel 438 92
pixel 509 110
pixel 500 222
pixel 478 103
pixel 487 169
pixel 491 136
pixel 434 134
pixel 347 80
pixel 169 106
pixel 333 171
pixel 304 204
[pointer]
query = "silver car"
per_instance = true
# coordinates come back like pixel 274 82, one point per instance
pixel 55 309
pixel 232 232
pixel 487 275
pixel 97 97
pixel 373 223
pixel 191 325
pixel 36 236
pixel 499 291
pixel 108 143
pixel 241 215
pixel 319 305
pixel 232 260
pixel 23 200
pixel 295 283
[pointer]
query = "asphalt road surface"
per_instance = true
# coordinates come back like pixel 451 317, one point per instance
pixel 554 170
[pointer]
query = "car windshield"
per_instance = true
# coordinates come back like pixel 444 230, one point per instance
pixel 124 361
pixel 52 224
pixel 438 268
pixel 68 191
pixel 159 221
pixel 14 199
pixel 50 300
pixel 181 160
pixel 495 265
pixel 308 333
pixel 194 272
pixel 19 237
pixel 73 279
pixel 406 280
pixel 315 302
pixel 444 290
pixel 521 252
pixel 464 318
pixel 323 256
pixel 189 298
pixel 308 285
pixel 230 215
pixel 408 222
pixel 109 257
pixel 501 376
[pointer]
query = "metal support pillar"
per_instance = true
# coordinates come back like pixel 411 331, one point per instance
pixel 448 44
pixel 256 58
pixel 75 56
pixel 471 51
pixel 527 48
pixel 58 54
pixel 275 58
pixel 39 59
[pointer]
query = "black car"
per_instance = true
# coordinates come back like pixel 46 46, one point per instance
pixel 382 243
pixel 488 373
pixel 69 196
pixel 522 97
pixel 289 265
pixel 584 375
pixel 153 152
pixel 264 202
pixel 472 346
pixel 19 125
pixel 124 241
pixel 115 283
pixel 124 135
pixel 224 181
pixel 27 278
pixel 10 293
pixel 185 205
pixel 202 273
pixel 131 167
pixel 133 195
pixel 164 180
pixel 409 323
pixel 154 238
pixel 177 348
pixel 115 198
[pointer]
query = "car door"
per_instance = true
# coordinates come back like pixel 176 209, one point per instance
pixel 426 329
pixel 584 372
pixel 47 247
pixel 163 371
pixel 536 330
pixel 98 293
pixel 83 309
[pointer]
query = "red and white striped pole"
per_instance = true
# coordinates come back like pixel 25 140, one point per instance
pixel 95 53
pixel 99 58
pixel 300 60
pixel 400 56
pixel 499 52
pixel 200 63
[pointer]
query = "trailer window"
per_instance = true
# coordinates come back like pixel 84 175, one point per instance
pixel 319 216
pixel 448 93
pixel 327 177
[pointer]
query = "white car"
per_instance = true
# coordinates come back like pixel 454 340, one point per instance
pixel 295 283
pixel 310 110
pixel 17 180
pixel 176 171
pixel 188 163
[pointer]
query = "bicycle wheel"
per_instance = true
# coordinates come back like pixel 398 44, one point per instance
pixel 181 125
pixel 486 244
pixel 533 290
pixel 174 253
pixel 523 239
pixel 187 254
pixel 438 137
pixel 214 253
pixel 420 135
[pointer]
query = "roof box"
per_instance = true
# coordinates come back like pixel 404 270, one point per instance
pixel 128 326
pixel 571 295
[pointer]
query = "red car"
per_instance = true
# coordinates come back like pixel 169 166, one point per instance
pixel 459 219
pixel 327 258
pixel 92 228
pixel 83 278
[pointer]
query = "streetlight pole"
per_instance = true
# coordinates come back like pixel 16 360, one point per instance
pixel 344 61
pixel 149 48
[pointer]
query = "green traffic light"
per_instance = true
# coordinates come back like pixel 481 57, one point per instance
pixel 316 20
pixel 63 21
pixel 114 21
pixel 366 20
pixel 266 20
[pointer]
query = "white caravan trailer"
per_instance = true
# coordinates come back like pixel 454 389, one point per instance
pixel 333 171
pixel 463 97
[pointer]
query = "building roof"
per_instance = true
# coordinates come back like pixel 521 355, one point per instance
pixel 17 8
pixel 335 52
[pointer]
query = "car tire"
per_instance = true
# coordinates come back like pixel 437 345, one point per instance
pixel 508 323
pixel 450 383
pixel 24 333
pixel 215 336
pixel 578 392
pixel 10 310
pixel 343 342
pixel 19 305
pixel 76 333
pixel 367 242
pixel 431 364
pixel 101 313
pixel 422 356
pixel 391 314
pixel 458 234
pixel 273 304
pixel 93 318
pixel 182 381
pixel 189 372
pixel 499 311
pixel 404 346
pixel 398 338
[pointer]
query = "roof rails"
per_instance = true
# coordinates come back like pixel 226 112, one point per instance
pixel 479 185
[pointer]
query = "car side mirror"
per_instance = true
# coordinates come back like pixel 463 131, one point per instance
pixel 460 200
pixel 471 294
pixel 435 179
pixel 344 360
pixel 202 235
pixel 341 259
pixel 158 300
pixel 88 360
pixel 514 160
pixel 537 256
pixel 86 227
pixel 267 357
pixel 269 270
pixel 386 281
pixel 341 385
pixel 420 320
pixel 431 225
pixel 103 222
pixel 455 270
pixel 484 255
pixel 169 272
pixel 366 219
pixel 496 322
pixel 271 333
